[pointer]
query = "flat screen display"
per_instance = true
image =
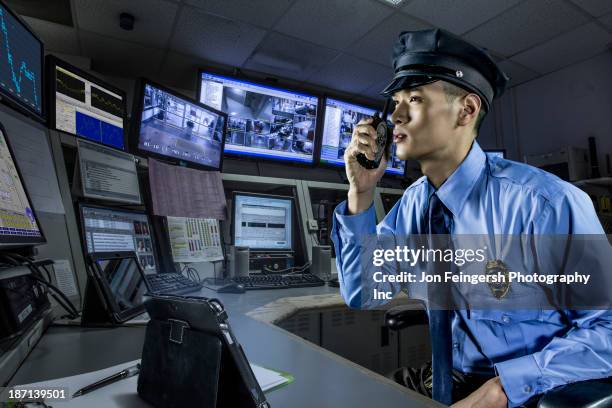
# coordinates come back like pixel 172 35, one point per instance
pixel 107 230
pixel 262 222
pixel 86 107
pixel 173 126
pixel 21 61
pixel 264 122
pixel 340 119
pixel 18 222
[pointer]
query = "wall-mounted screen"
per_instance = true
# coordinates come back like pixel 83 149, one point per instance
pixel 340 119
pixel 85 106
pixel 173 126
pixel 264 121
pixel 21 63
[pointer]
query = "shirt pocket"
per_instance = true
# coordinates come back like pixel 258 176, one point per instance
pixel 506 317
pixel 504 334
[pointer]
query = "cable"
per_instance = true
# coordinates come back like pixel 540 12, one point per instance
pixel 67 305
pixel 191 272
pixel 44 268
pixel 293 269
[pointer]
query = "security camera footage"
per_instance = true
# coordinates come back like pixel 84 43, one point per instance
pixel 263 121
pixel 340 119
pixel 174 127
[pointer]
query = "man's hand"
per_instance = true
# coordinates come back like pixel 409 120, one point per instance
pixel 362 181
pixel 489 395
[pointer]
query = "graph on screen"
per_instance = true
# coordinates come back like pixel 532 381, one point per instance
pixel 87 108
pixel 106 102
pixel 20 62
pixel 70 86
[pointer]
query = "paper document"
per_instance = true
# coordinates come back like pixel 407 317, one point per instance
pixel 64 277
pixel 194 239
pixel 140 320
pixel 123 393
pixel 183 192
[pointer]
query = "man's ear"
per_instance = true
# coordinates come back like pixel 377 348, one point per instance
pixel 470 107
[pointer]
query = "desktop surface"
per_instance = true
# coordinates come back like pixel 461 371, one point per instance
pixel 321 377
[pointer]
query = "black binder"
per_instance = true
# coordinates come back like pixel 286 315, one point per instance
pixel 190 357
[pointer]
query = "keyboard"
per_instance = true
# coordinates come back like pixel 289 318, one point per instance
pixel 171 283
pixel 255 282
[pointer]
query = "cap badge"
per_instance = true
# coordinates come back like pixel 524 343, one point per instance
pixel 459 74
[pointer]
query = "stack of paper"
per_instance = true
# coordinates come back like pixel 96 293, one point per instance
pixel 123 393
pixel 270 379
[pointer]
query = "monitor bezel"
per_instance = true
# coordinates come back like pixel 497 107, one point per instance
pixel 294 221
pixel 387 174
pixel 134 136
pixel 22 241
pixel 52 62
pixel 11 100
pixel 259 82
pixel 81 225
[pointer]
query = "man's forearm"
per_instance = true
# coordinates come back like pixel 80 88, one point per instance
pixel 358 202
pixel 355 238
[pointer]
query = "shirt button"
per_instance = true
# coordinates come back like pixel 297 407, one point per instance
pixel 456 345
pixel 506 319
pixel 527 389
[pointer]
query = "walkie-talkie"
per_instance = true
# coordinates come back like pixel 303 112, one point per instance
pixel 383 139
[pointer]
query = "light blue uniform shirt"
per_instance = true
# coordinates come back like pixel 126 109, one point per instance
pixel 532 351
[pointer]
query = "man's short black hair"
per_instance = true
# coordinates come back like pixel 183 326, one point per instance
pixel 453 92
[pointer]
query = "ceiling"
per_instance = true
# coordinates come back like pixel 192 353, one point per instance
pixel 343 45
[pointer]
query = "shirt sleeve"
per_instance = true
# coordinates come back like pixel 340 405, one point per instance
pixel 584 352
pixel 355 238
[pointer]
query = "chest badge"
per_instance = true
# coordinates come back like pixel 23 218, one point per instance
pixel 499 289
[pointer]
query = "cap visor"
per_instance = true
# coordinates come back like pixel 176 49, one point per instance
pixel 406 82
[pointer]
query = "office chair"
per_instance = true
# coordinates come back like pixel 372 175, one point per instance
pixel 584 394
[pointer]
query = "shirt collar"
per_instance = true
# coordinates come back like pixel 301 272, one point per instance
pixel 455 190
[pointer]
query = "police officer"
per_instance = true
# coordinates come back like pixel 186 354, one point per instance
pixel 442 88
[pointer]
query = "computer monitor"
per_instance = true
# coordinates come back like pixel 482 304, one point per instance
pixel 85 106
pixel 264 122
pixel 107 229
pixel 262 222
pixel 501 153
pixel 174 127
pixel 21 64
pixel 18 223
pixel 340 119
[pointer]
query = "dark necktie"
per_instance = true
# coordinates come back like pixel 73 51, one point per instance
pixel 439 319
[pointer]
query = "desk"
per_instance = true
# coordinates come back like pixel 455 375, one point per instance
pixel 322 379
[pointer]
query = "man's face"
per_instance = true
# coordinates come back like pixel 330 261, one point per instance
pixel 424 122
